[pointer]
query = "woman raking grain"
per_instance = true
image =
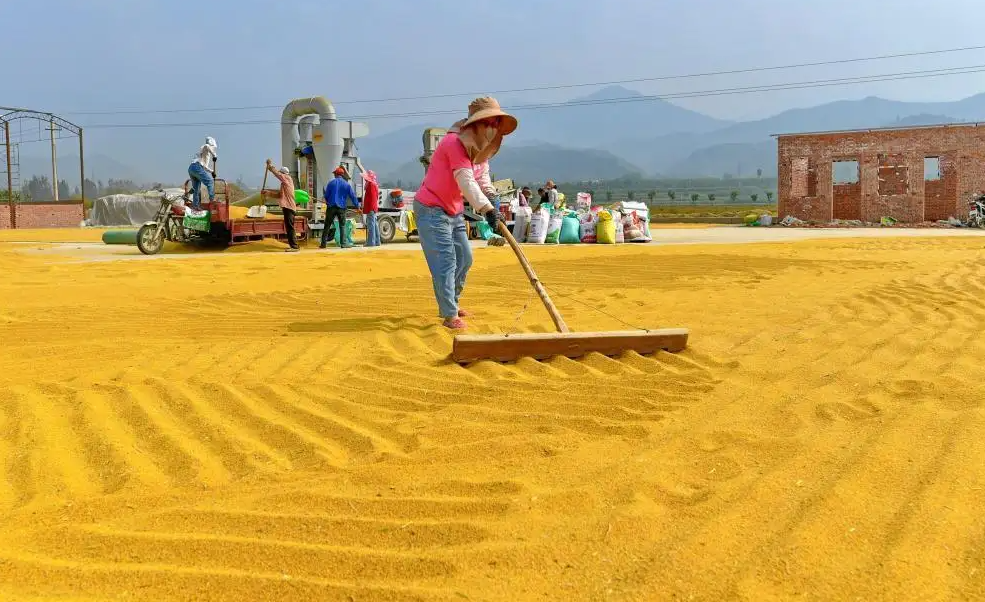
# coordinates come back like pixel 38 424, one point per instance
pixel 439 205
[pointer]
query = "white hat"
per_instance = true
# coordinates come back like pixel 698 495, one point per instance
pixel 284 170
pixel 211 141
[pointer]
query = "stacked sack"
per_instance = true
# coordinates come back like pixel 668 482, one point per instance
pixel 521 220
pixel 570 229
pixel 623 222
pixel 605 229
pixel 636 221
pixel 539 221
pixel 554 226
pixel 589 223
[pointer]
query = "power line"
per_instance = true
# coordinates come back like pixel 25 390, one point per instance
pixel 547 87
pixel 906 75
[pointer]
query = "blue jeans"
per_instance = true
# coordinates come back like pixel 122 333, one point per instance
pixel 199 176
pixel 445 240
pixel 372 230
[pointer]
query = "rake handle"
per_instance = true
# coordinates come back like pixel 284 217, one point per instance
pixel 504 231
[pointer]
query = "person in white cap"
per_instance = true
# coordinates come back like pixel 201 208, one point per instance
pixel 285 198
pixel 202 171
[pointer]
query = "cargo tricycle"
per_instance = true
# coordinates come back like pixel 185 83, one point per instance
pixel 216 227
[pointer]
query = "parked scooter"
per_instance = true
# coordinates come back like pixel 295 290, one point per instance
pixel 976 211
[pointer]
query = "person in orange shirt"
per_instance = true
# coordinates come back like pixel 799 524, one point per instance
pixel 285 198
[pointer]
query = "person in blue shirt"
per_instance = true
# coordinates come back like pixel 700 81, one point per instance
pixel 337 192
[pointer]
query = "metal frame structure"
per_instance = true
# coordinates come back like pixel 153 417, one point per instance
pixel 55 123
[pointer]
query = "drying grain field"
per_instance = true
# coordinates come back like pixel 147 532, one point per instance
pixel 261 426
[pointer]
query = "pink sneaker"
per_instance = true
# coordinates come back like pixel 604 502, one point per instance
pixel 462 313
pixel 454 323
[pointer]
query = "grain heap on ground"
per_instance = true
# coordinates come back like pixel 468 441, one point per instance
pixel 236 426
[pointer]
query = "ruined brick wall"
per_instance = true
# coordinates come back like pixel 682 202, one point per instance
pixel 891 173
pixel 43 215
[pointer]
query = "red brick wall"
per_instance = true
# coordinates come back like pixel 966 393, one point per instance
pixel 962 152
pixel 43 215
pixel 847 201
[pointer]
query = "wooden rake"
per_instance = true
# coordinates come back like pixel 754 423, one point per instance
pixel 468 348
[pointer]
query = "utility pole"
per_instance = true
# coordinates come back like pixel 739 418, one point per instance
pixel 10 176
pixel 82 171
pixel 54 165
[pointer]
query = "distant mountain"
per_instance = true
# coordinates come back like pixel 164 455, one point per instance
pixel 667 153
pixel 610 114
pixel 744 158
pixel 737 158
pixel 535 163
pixel 393 148
pixel 923 119
pixel 592 121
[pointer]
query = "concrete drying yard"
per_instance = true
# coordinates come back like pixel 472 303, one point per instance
pixel 253 425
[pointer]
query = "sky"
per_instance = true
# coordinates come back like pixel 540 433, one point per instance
pixel 95 62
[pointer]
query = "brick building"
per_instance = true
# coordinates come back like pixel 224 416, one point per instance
pixel 913 174
pixel 64 214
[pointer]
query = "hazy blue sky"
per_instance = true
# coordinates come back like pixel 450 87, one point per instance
pixel 83 56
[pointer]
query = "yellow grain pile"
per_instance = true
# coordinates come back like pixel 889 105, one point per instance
pixel 292 430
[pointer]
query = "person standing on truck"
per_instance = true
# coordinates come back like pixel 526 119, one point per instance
pixel 337 193
pixel 202 171
pixel 285 198
pixel 439 206
pixel 371 206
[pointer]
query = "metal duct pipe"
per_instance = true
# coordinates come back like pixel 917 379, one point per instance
pixel 325 139
pixel 306 128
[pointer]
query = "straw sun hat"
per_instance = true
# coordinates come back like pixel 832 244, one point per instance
pixel 486 108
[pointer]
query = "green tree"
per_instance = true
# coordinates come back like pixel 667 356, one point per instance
pixel 91 190
pixel 631 195
pixel 754 197
pixel 769 196
pixel 759 173
pixel 4 199
pixel 733 196
pixel 608 196
pixel 694 198
pixel 64 191
pixel 38 188
pixel 711 197
pixel 651 195
pixel 672 195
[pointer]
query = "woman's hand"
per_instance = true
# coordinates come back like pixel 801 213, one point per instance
pixel 493 218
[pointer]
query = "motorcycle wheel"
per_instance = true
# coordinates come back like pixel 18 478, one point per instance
pixel 150 240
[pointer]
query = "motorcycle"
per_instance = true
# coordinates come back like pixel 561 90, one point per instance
pixel 167 225
pixel 976 213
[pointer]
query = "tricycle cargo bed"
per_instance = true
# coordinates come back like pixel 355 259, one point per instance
pixel 242 230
